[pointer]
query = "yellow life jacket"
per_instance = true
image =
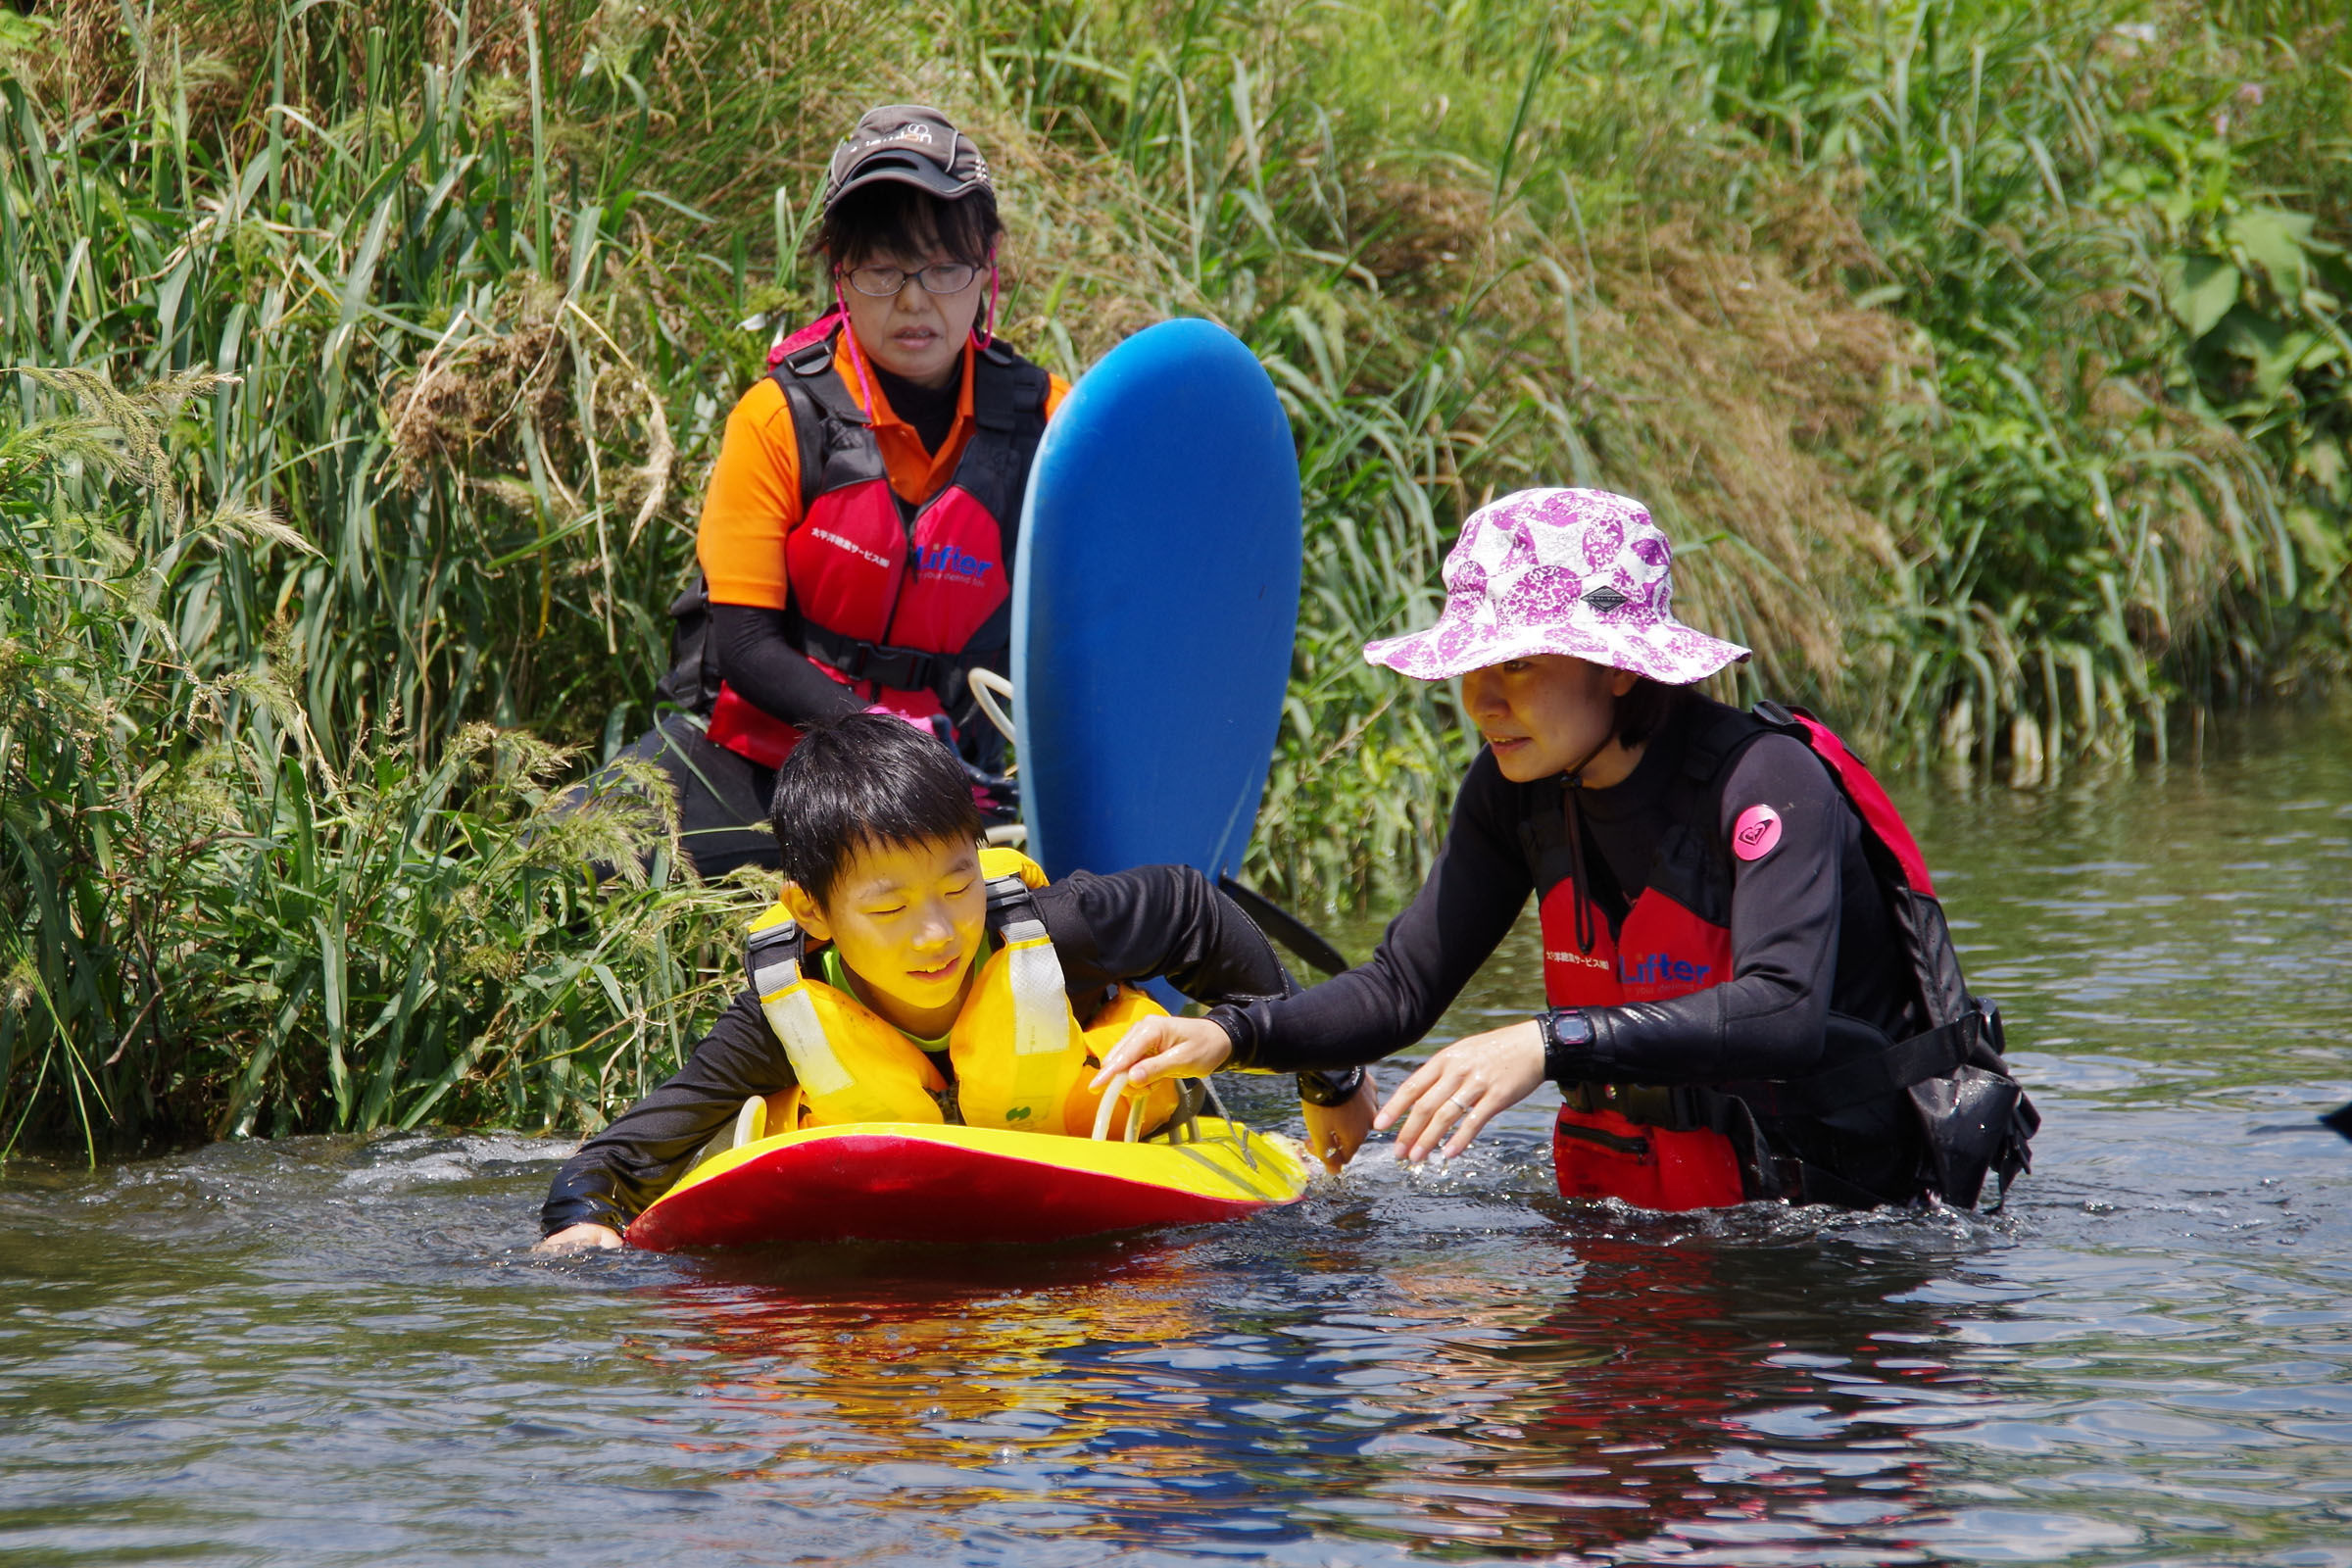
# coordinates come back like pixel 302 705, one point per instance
pixel 1021 1060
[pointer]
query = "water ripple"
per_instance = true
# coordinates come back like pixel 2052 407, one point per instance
pixel 337 1351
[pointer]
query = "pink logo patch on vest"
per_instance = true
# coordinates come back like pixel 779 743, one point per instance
pixel 1755 834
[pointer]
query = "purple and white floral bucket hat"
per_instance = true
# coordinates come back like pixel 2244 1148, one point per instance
pixel 1582 572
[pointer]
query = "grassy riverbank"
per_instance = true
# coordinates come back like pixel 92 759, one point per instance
pixel 1988 360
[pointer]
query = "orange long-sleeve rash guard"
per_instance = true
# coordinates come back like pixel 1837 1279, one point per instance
pixel 755 496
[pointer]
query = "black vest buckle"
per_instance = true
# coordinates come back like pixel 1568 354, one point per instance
pixel 905 669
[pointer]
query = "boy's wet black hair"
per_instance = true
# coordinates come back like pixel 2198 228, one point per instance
pixel 863 782
pixel 908 224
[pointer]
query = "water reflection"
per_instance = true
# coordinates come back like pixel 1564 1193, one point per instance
pixel 1612 1382
pixel 1677 1389
pixel 336 1351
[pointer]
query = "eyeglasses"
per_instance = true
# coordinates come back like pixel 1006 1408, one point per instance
pixel 940 278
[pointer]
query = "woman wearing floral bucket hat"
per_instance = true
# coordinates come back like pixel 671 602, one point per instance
pixel 1750 992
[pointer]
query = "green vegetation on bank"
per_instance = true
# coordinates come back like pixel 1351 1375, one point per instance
pixel 1987 360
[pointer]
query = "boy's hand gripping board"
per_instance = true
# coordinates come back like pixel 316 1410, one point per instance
pixel 1154 604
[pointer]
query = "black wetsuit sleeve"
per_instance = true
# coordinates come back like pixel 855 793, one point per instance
pixel 757 659
pixel 1767 1021
pixel 1163 921
pixel 641 1155
pixel 1462 913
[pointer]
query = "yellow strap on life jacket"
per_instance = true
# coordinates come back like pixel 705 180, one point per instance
pixel 998 859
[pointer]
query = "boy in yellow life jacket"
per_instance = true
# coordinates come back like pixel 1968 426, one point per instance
pixel 907 974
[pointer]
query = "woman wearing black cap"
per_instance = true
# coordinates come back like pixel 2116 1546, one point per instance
pixel 858 538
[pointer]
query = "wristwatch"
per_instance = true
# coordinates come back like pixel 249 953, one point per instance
pixel 1327 1086
pixel 1567 1044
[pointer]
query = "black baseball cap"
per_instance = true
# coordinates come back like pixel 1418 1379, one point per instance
pixel 909 143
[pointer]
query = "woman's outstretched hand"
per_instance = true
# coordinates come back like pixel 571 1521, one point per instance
pixel 1470 1082
pixel 1166 1048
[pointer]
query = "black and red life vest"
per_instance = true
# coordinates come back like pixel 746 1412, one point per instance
pixel 1683 1147
pixel 896 599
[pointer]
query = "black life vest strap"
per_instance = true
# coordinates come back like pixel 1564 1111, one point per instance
pixel 1551 859
pixel 903 668
pixel 1887 1071
pixel 1938 1053
pixel 1707 760
pixel 1008 393
pixel 691 683
pixel 1011 902
pixel 824 415
pixel 767 949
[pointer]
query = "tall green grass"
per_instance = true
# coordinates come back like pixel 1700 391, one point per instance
pixel 267 865
pixel 1986 359
pixel 218 925
pixel 2102 494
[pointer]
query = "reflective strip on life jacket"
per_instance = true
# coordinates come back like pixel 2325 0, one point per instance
pixel 836 1045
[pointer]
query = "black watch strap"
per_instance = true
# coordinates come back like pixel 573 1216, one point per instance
pixel 1567 1044
pixel 1330 1086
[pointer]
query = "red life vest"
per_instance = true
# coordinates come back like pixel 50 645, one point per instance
pixel 1682 1149
pixel 895 598
pixel 1662 950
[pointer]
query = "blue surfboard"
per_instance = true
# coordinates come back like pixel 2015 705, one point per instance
pixel 1154 604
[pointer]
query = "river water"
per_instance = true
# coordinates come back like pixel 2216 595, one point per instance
pixel 337 1351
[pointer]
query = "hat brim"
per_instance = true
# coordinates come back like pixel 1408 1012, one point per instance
pixel 905 169
pixel 1671 654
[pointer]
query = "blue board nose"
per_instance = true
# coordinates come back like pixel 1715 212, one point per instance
pixel 1154 605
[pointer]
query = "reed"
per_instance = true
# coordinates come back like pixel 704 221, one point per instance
pixel 217 926
pixel 1986 359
